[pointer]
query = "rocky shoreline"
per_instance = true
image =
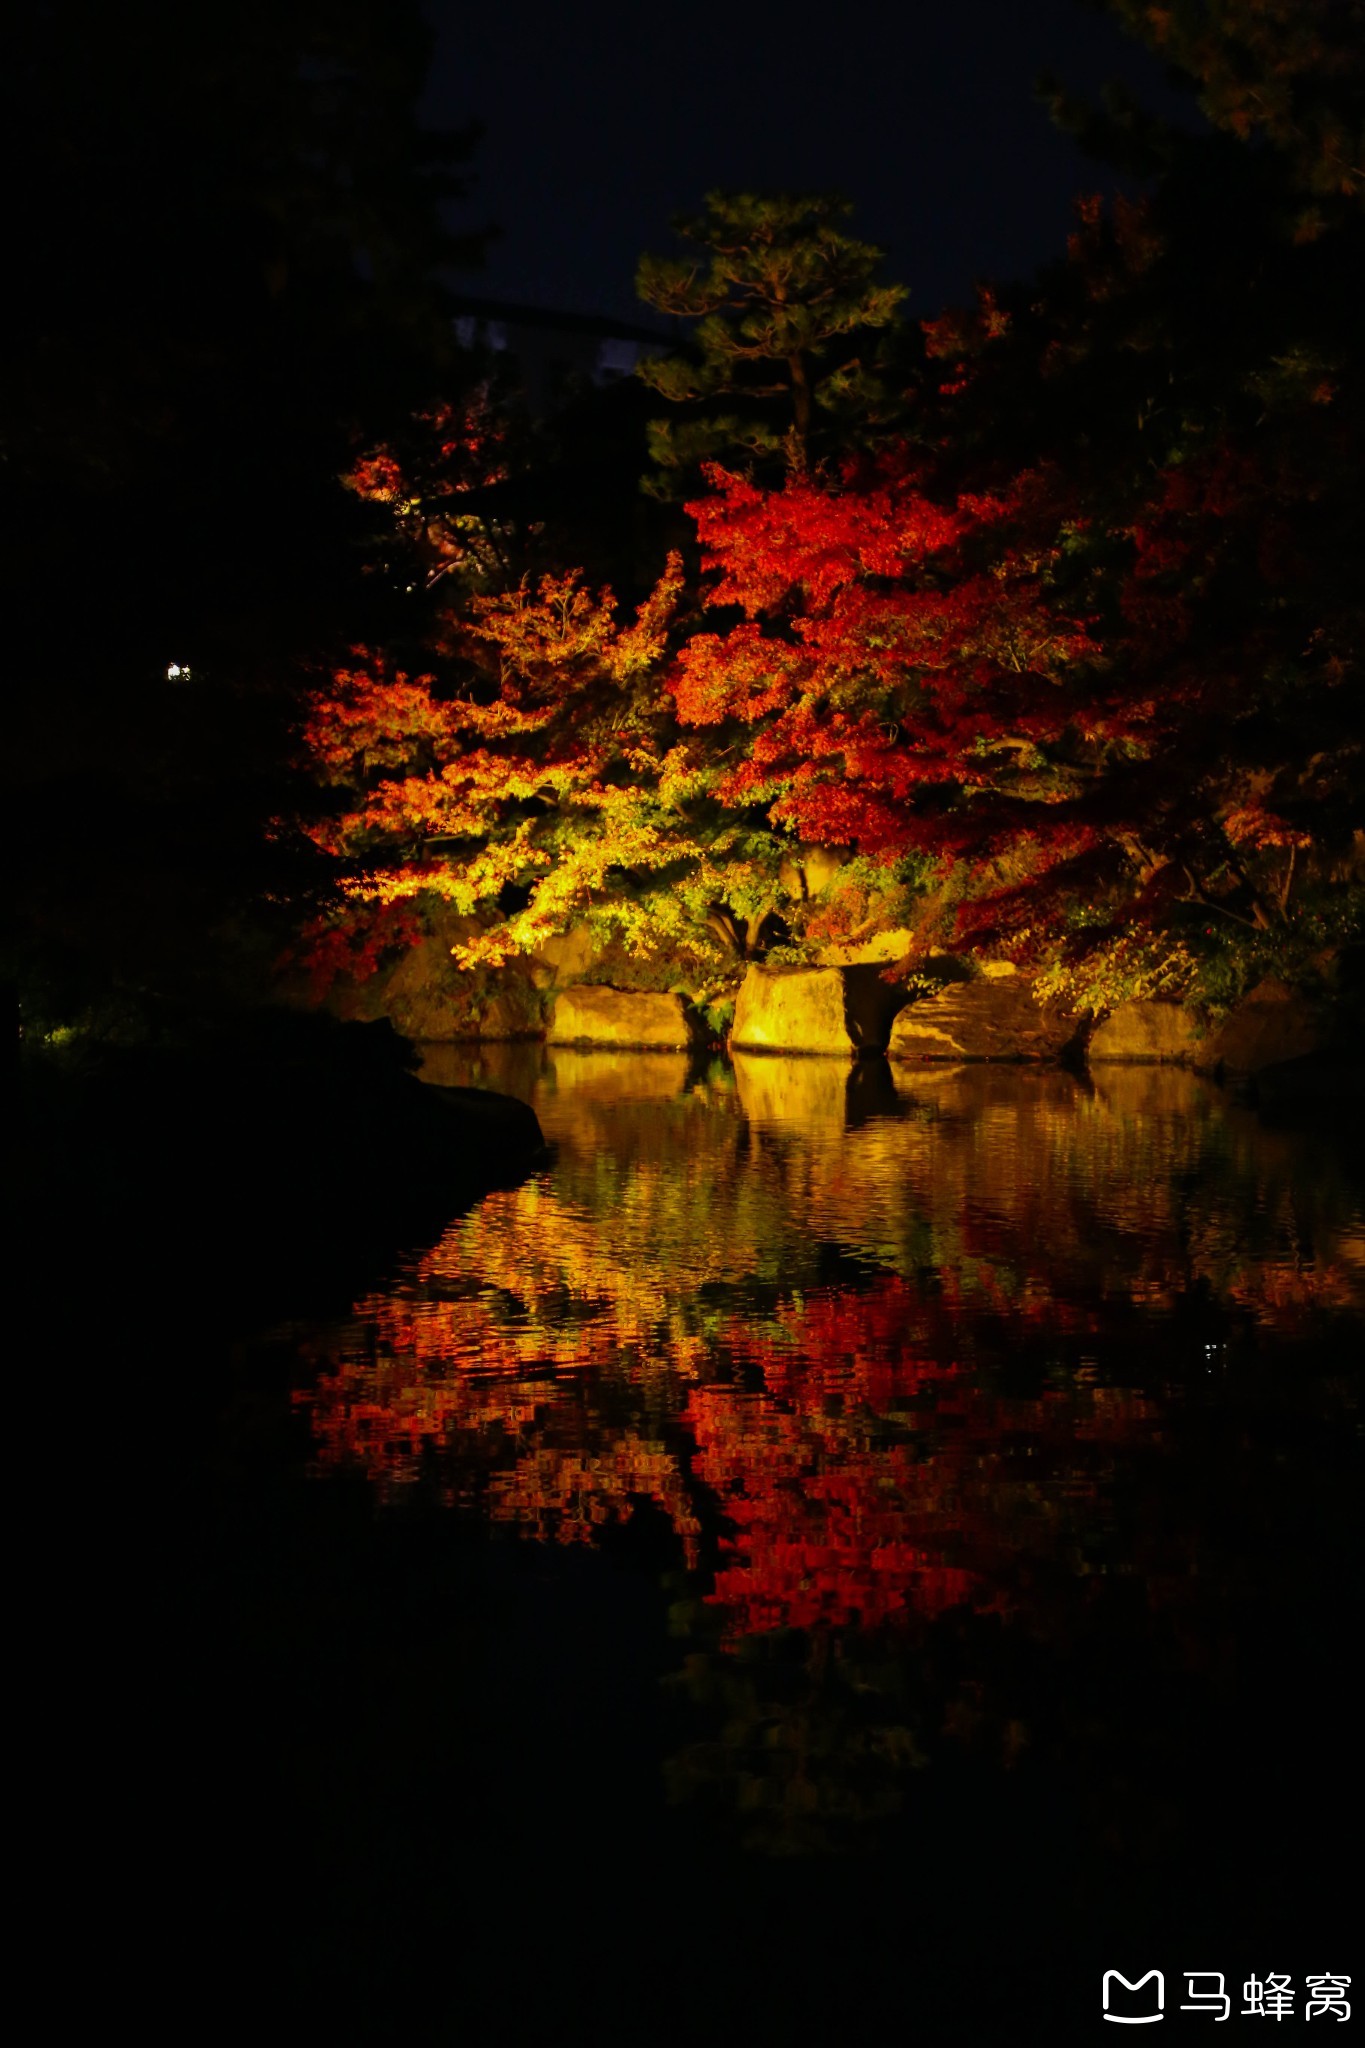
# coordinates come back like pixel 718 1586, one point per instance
pixel 958 1010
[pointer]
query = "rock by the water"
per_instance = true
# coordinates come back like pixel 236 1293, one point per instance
pixel 564 957
pixel 284 1141
pixel 428 998
pixel 1148 1031
pixel 484 1117
pixel 1272 1024
pixel 843 1010
pixel 590 1015
pixel 996 1018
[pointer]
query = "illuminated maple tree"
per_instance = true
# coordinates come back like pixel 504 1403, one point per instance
pixel 900 673
pixel 1092 645
pixel 875 659
pixel 1064 666
pixel 539 781
pixel 1209 522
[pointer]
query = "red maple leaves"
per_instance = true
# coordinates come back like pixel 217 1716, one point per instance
pixel 892 649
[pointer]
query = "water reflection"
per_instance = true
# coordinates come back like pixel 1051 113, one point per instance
pixel 887 1350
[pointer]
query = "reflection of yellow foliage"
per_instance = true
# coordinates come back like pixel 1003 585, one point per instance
pixel 807 1093
pixel 571 1493
pixel 654 1313
pixel 615 1077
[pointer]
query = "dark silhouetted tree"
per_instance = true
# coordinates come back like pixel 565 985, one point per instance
pixel 224 249
pixel 785 360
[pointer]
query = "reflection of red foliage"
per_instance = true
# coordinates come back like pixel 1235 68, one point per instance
pixel 820 1473
pixel 869 1478
pixel 829 1529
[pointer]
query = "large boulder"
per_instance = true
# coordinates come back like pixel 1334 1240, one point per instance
pixel 498 1126
pixel 1148 1031
pixel 1271 1024
pixel 428 998
pixel 564 957
pixel 591 1015
pixel 290 1143
pixel 995 1018
pixel 845 1010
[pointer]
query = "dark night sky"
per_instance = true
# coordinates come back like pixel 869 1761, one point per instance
pixel 604 120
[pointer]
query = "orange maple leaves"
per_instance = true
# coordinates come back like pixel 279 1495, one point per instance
pixel 520 765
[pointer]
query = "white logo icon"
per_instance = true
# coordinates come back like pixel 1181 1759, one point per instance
pixel 1135 2019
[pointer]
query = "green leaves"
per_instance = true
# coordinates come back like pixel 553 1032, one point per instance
pixel 790 321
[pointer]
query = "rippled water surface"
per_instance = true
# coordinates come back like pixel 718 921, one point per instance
pixel 839 1553
pixel 984 1420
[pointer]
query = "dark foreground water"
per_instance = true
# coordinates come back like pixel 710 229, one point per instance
pixel 839 1553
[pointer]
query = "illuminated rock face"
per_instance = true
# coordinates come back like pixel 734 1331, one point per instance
pixel 426 997
pixel 992 1019
pixel 1148 1031
pixel 844 1010
pixel 619 1016
pixel 564 956
pixel 1269 1025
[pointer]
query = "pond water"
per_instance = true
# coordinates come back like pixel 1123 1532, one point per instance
pixel 917 1512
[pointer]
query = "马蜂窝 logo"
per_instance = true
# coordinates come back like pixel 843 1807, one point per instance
pixel 1148 2003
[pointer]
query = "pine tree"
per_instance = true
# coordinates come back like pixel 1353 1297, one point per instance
pixel 1290 72
pixel 788 360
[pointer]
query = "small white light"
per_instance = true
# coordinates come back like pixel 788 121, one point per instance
pixel 176 672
